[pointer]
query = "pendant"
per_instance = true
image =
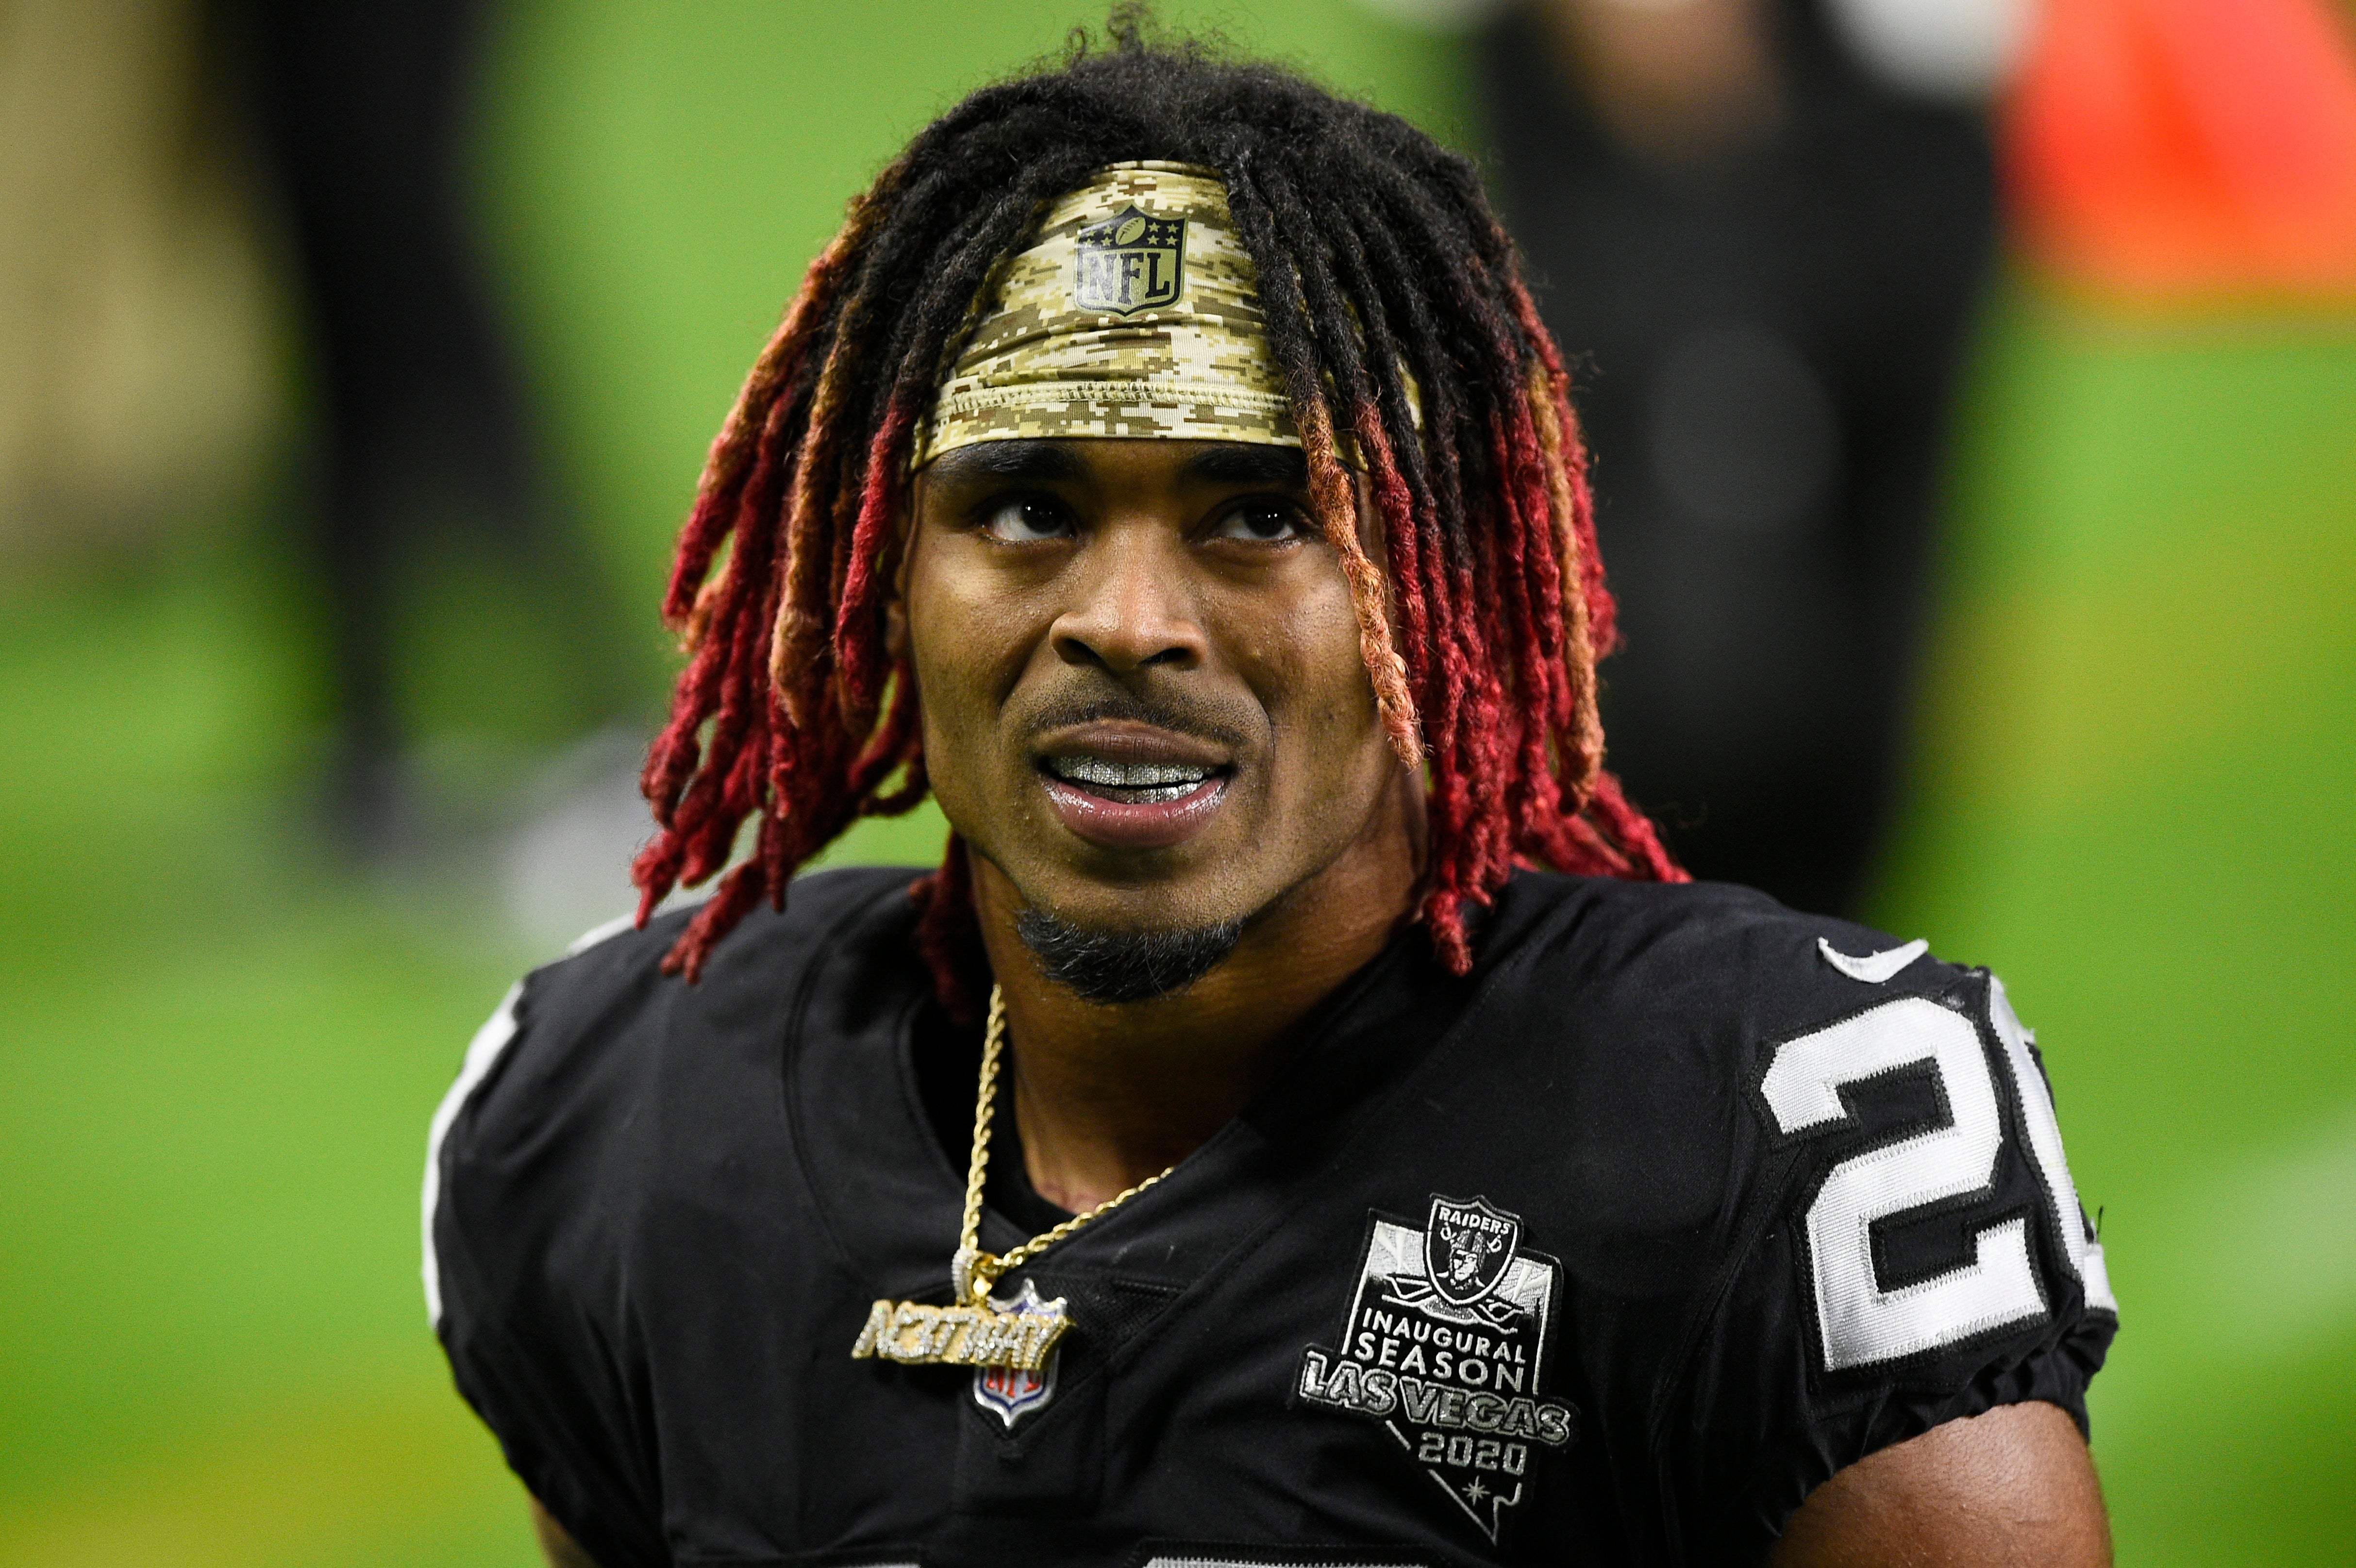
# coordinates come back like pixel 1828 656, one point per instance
pixel 987 1332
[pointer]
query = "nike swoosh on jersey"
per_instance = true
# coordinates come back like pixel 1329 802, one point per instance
pixel 1874 967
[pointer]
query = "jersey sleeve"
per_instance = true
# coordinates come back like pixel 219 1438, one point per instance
pixel 1912 1252
pixel 524 1273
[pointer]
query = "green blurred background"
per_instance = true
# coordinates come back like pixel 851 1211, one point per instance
pixel 2133 798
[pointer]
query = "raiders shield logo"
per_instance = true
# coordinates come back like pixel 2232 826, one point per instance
pixel 1444 1344
pixel 1466 1247
pixel 1131 261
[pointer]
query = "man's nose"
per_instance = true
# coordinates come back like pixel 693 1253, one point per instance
pixel 1132 608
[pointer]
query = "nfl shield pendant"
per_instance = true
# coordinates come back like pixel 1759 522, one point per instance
pixel 1011 1392
pixel 1018 1335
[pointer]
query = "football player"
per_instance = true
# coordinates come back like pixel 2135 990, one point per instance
pixel 1307 1117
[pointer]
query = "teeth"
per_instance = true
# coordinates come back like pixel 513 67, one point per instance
pixel 1126 775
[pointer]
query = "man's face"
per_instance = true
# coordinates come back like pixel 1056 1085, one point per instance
pixel 1139 666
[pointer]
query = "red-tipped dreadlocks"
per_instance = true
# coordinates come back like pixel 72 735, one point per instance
pixel 1378 258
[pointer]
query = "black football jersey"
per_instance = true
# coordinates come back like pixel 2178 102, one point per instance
pixel 1606 1253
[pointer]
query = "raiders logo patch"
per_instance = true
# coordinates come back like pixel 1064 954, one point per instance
pixel 1131 261
pixel 1444 1344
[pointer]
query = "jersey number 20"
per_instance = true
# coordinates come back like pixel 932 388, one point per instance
pixel 1861 1323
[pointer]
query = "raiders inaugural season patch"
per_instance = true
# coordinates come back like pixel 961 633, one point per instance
pixel 1131 261
pixel 1444 1344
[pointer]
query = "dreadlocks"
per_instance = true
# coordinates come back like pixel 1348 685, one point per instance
pixel 1481 614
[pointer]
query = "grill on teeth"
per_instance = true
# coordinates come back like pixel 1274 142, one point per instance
pixel 1126 775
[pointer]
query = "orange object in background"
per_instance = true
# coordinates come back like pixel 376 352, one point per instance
pixel 2183 148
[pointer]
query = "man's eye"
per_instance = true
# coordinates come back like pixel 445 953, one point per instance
pixel 1020 522
pixel 1262 522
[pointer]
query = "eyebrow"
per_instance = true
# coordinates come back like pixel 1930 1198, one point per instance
pixel 1239 462
pixel 1042 462
pixel 1052 461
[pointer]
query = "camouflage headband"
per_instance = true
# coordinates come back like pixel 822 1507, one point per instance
pixel 1135 313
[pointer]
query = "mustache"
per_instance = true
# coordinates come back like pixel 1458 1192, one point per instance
pixel 1224 724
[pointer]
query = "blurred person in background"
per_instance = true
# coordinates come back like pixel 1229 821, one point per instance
pixel 423 439
pixel 1764 225
pixel 135 384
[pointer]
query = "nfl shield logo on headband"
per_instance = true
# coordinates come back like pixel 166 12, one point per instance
pixel 1131 261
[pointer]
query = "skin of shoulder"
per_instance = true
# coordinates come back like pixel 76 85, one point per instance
pixel 2015 1485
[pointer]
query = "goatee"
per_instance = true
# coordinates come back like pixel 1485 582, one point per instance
pixel 1115 966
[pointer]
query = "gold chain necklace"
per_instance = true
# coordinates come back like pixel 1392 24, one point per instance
pixel 976 1330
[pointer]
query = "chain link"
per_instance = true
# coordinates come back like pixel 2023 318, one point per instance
pixel 976 1270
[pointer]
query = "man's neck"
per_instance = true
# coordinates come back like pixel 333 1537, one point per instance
pixel 1108 1095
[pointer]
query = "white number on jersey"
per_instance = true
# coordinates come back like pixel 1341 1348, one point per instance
pixel 1860 1323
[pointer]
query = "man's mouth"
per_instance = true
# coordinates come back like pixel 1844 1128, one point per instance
pixel 1130 787
pixel 1137 784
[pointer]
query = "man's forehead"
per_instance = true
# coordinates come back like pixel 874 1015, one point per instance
pixel 1075 459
